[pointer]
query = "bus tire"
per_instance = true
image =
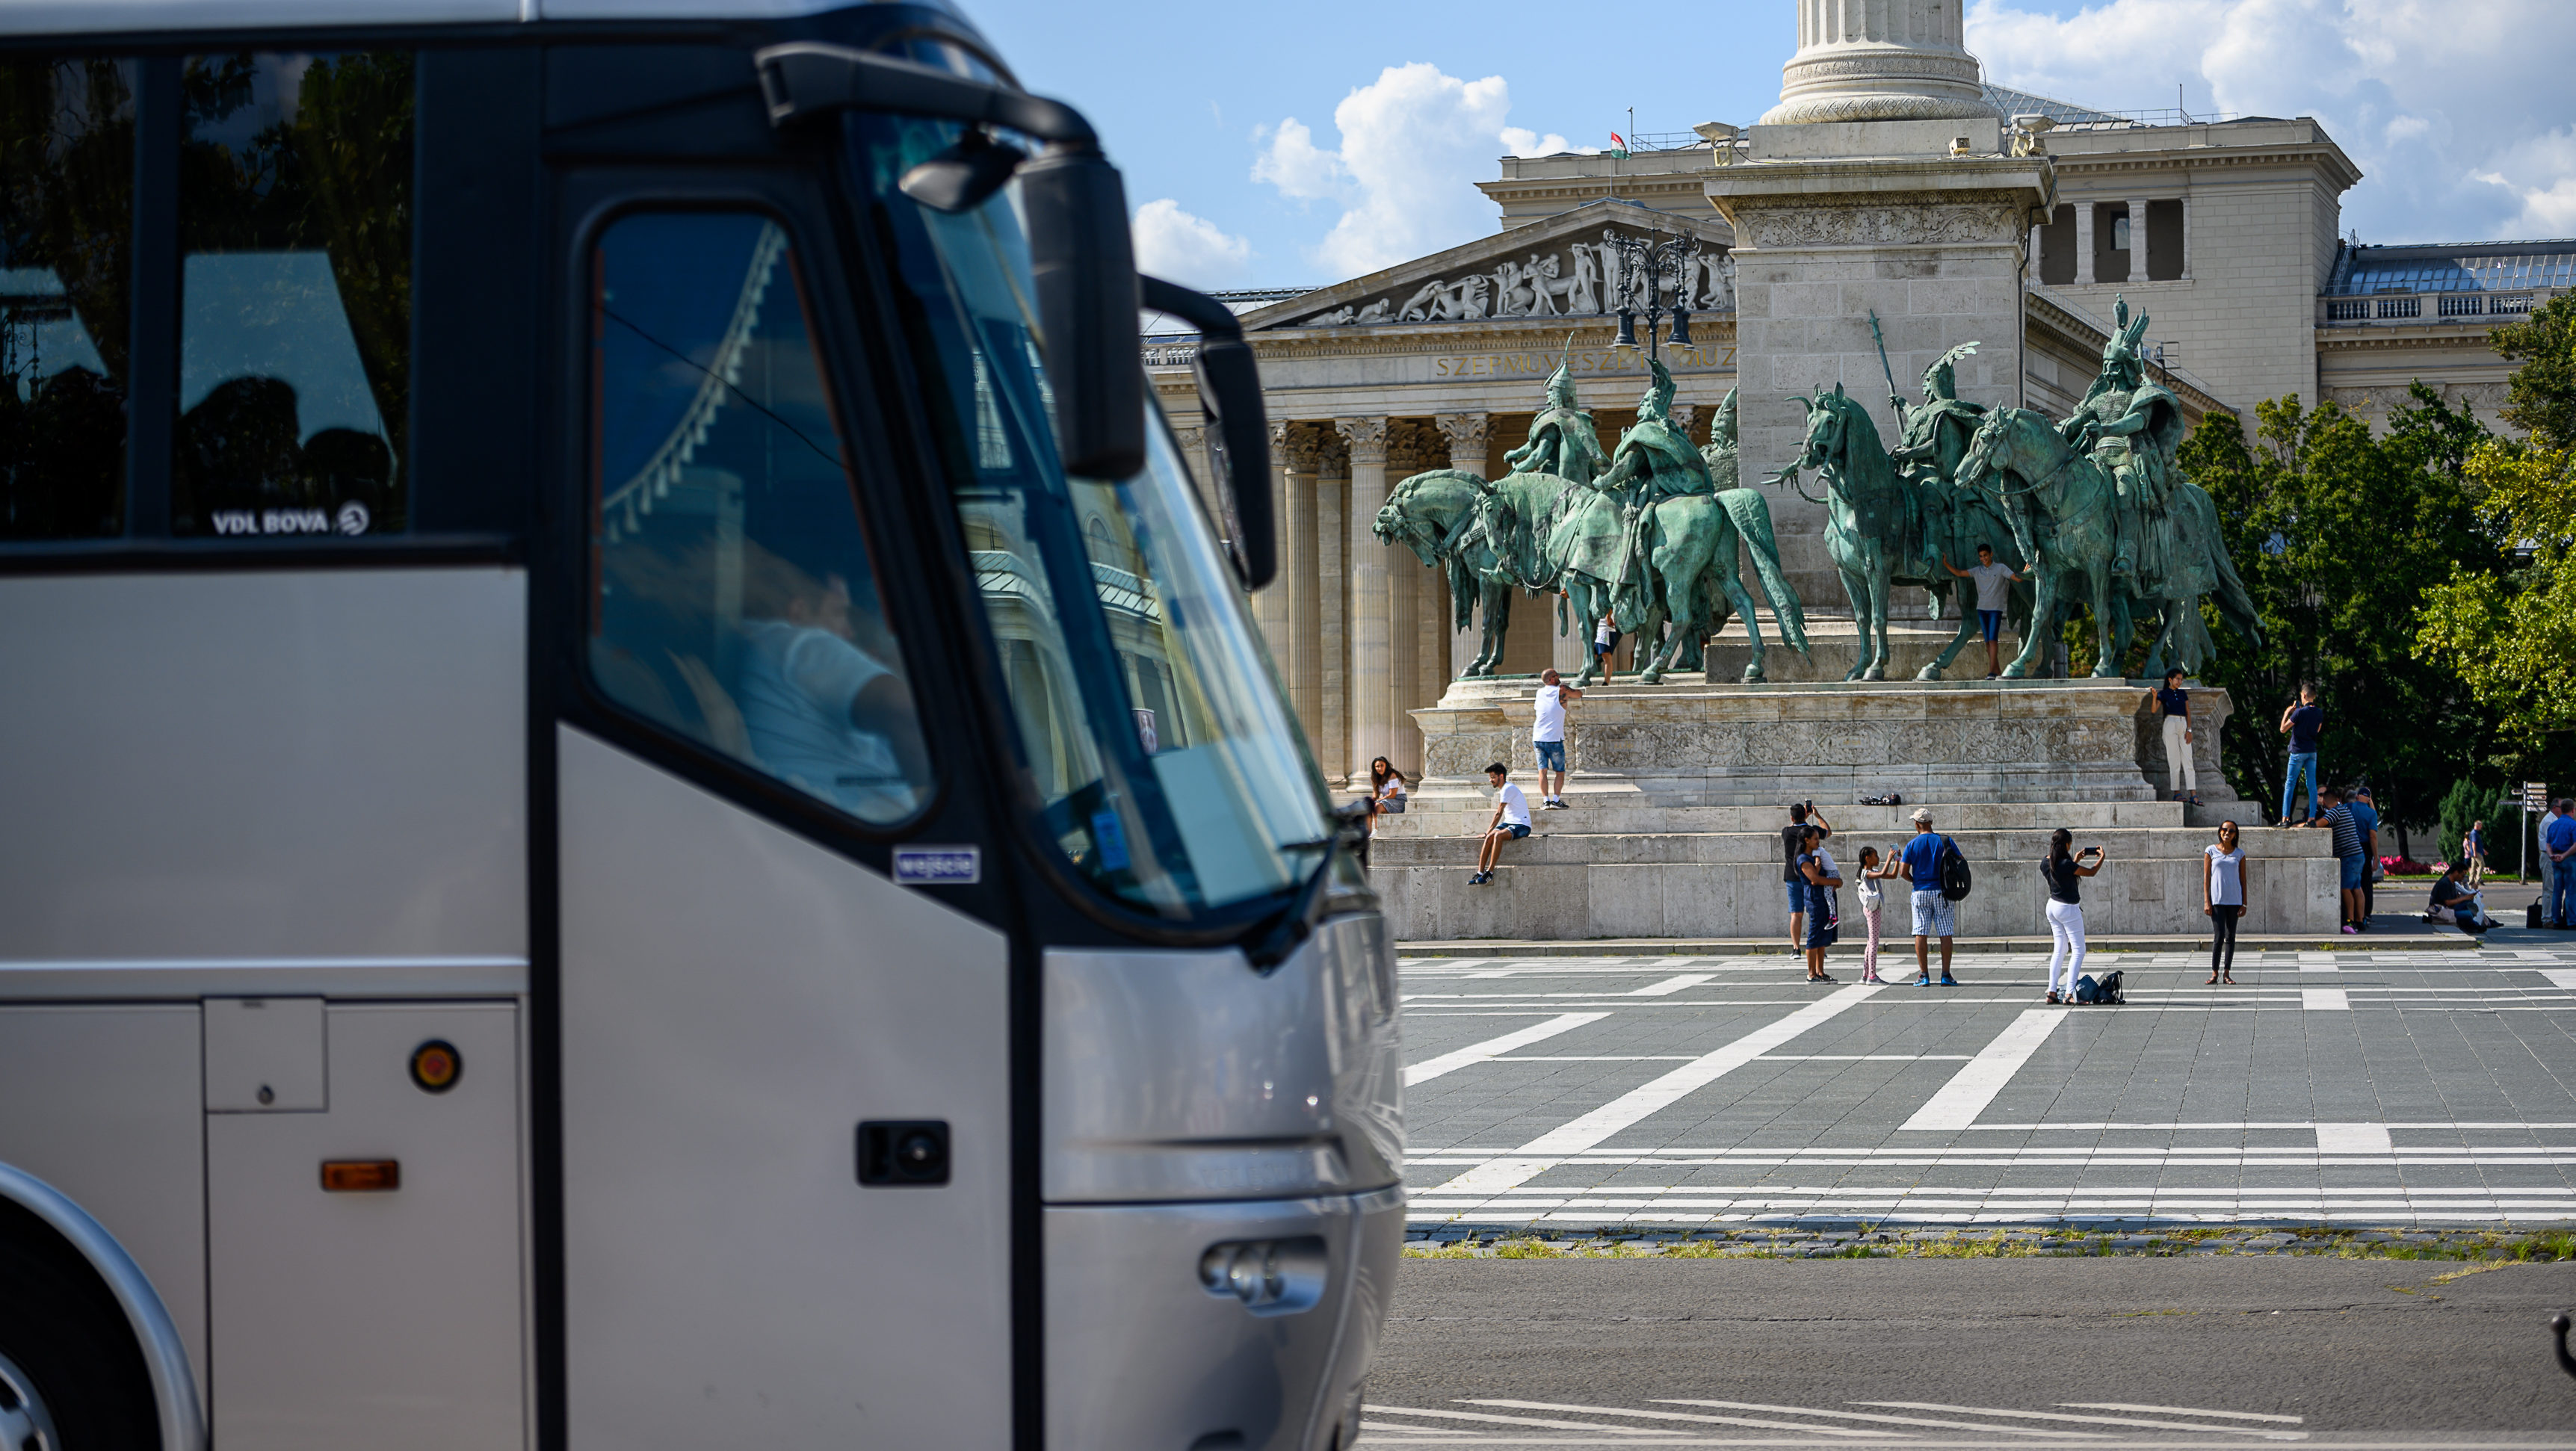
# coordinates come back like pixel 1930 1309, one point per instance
pixel 67 1338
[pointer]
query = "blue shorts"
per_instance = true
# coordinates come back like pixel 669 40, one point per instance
pixel 1515 828
pixel 1797 896
pixel 2356 872
pixel 1992 622
pixel 1551 755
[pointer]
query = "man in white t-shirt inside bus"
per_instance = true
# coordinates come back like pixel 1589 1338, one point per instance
pixel 1548 735
pixel 1994 594
pixel 1511 821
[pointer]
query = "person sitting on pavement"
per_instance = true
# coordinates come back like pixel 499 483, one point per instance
pixel 1822 876
pixel 1935 915
pixel 2455 903
pixel 2339 819
pixel 1547 733
pixel 1511 822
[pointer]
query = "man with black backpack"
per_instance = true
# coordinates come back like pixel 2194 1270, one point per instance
pixel 1940 876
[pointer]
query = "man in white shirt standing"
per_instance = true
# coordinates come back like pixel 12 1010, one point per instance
pixel 1511 821
pixel 1548 735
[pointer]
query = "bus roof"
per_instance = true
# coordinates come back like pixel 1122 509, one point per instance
pixel 122 17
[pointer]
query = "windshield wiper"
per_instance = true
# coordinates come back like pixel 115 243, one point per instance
pixel 1281 933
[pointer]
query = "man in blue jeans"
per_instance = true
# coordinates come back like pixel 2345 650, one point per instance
pixel 2301 722
pixel 2559 839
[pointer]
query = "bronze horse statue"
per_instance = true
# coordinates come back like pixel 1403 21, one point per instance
pixel 2059 504
pixel 1883 530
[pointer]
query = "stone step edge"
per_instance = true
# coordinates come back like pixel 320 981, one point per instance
pixel 2428 939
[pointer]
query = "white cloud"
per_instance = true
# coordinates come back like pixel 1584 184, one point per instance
pixel 1521 141
pixel 1413 144
pixel 2429 97
pixel 1179 247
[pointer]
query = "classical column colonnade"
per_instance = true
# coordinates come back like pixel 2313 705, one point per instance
pixel 1359 629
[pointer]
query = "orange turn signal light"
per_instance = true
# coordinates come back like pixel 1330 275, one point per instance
pixel 361 1176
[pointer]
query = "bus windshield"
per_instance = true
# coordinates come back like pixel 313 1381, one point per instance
pixel 1151 730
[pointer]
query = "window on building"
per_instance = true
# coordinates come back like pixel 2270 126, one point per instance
pixel 2165 261
pixel 735 603
pixel 66 257
pixel 2057 247
pixel 295 236
pixel 2111 252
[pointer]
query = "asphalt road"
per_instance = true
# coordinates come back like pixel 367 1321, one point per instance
pixel 2169 1352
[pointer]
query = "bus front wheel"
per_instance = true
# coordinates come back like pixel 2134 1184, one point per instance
pixel 71 1374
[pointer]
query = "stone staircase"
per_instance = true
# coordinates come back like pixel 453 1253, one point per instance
pixel 1678 796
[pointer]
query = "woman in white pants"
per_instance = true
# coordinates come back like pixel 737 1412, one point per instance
pixel 2174 703
pixel 2066 910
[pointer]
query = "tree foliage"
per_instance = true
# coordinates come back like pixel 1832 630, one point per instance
pixel 2338 534
pixel 2512 634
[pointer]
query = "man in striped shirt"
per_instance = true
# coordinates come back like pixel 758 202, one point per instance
pixel 2339 819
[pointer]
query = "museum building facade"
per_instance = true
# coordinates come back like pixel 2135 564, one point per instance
pixel 1818 249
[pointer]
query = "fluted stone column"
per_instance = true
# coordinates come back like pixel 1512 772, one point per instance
pixel 1406 446
pixel 1332 586
pixel 1879 60
pixel 1470 440
pixel 1372 678
pixel 2084 243
pixel 1303 663
pixel 1270 603
pixel 1332 740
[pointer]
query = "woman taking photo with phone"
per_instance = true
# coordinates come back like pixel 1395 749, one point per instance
pixel 2066 910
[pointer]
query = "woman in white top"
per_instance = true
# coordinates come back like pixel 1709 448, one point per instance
pixel 2222 896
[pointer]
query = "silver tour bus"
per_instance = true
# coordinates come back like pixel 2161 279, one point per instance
pixel 638 805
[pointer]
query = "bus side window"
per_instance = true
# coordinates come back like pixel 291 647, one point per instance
pixel 66 260
pixel 733 601
pixel 295 234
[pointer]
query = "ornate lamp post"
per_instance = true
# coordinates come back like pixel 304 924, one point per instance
pixel 1650 282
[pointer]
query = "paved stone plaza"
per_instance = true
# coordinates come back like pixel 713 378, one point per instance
pixel 1677 1094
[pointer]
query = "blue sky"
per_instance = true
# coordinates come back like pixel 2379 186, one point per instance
pixel 1285 144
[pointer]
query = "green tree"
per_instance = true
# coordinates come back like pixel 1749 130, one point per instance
pixel 2512 634
pixel 2338 534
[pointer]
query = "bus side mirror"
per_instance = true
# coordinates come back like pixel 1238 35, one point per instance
pixel 1238 430
pixel 1079 247
pixel 1084 262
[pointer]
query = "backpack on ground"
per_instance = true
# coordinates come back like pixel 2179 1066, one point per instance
pixel 2104 990
pixel 2531 915
pixel 1952 867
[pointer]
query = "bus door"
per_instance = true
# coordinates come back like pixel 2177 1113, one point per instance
pixel 785 990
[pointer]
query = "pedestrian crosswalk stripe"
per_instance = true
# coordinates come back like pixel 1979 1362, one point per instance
pixel 1541 1154
pixel 1479 1052
pixel 1969 1090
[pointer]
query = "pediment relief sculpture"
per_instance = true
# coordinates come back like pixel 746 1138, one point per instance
pixel 1571 279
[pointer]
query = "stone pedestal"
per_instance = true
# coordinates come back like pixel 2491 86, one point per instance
pixel 1930 244
pixel 1679 792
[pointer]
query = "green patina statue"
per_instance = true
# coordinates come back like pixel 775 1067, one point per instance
pixel 1644 536
pixel 1720 451
pixel 2100 506
pixel 1562 439
pixel 2131 427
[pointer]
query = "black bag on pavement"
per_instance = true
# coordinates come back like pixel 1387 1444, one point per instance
pixel 1953 867
pixel 2531 914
